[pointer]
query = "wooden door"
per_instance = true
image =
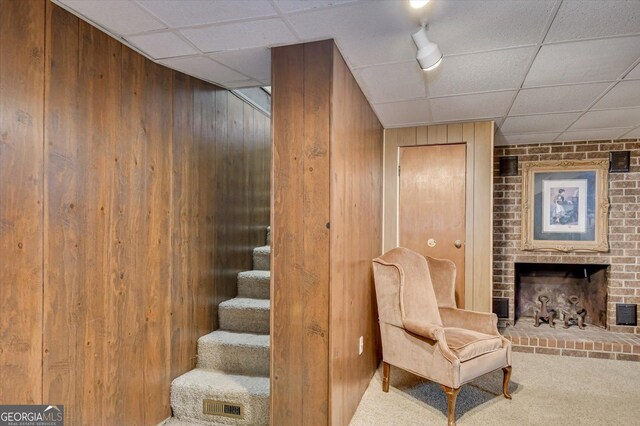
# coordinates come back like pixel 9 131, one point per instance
pixel 431 216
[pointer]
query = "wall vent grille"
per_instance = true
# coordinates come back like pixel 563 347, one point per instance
pixel 221 408
pixel 501 307
pixel 626 314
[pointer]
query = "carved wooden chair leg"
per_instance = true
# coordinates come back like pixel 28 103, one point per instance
pixel 452 394
pixel 385 376
pixel 505 382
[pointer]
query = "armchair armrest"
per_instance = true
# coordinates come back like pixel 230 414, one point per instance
pixel 482 322
pixel 433 332
pixel 430 331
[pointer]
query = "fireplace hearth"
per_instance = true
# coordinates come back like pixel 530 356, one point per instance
pixel 574 294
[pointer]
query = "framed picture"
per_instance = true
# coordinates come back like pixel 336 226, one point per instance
pixel 565 206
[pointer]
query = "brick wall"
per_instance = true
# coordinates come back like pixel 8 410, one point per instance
pixel 624 222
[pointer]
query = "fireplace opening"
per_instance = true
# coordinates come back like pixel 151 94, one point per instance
pixel 573 291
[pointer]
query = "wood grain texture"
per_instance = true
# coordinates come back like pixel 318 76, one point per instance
pixel 22 46
pixel 390 193
pixel 468 134
pixel 356 237
pixel 432 200
pixel 287 245
pixel 327 157
pixel 437 134
pixel 478 137
pixel 483 217
pixel 317 142
pixel 132 168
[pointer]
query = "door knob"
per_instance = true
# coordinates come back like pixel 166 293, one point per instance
pixel 431 242
pixel 457 243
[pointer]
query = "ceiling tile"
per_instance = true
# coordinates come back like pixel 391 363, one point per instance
pixel 479 72
pixel 624 94
pixel 182 13
pixel 162 45
pixel 608 119
pixel 203 68
pixel 576 97
pixel 635 73
pixel 367 32
pixel 635 133
pixel 120 16
pixel 388 83
pixel 592 135
pixel 469 26
pixel 578 19
pixel 517 139
pixel 404 113
pixel 583 61
pixel 539 123
pixel 255 63
pixel 240 35
pixel 470 107
pixel 288 6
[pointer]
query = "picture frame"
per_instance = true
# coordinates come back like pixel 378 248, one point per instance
pixel 565 206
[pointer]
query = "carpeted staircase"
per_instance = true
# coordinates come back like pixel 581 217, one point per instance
pixel 233 362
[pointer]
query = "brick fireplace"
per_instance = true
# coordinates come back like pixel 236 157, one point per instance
pixel 620 267
pixel 558 282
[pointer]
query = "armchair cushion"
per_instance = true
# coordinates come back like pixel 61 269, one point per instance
pixel 468 344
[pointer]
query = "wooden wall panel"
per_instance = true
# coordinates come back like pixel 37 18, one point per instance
pixel 316 206
pixel 62 363
pixel 287 252
pixel 327 162
pixel 479 140
pixel 189 277
pixel 21 200
pixel 80 330
pixel 356 238
pixel 483 219
pixel 137 165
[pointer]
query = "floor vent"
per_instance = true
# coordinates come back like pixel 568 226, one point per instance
pixel 220 408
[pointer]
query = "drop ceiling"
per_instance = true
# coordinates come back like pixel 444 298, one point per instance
pixel 544 70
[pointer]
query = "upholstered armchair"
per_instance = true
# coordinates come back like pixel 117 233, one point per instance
pixel 424 332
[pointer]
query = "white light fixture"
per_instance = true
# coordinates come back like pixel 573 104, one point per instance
pixel 417 4
pixel 429 55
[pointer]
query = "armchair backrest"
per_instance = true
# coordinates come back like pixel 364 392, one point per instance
pixel 443 277
pixel 404 288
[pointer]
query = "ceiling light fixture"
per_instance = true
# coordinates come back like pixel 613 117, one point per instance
pixel 429 55
pixel 417 4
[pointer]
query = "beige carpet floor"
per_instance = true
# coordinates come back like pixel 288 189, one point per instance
pixel 546 389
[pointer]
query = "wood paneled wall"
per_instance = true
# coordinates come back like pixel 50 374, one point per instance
pixel 21 200
pixel 326 218
pixel 356 238
pixel 155 189
pixel 479 202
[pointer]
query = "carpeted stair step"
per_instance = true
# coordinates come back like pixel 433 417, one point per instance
pixel 235 353
pixel 189 390
pixel 254 284
pixel 181 422
pixel 261 258
pixel 244 315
